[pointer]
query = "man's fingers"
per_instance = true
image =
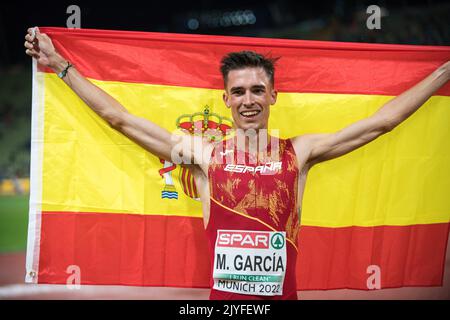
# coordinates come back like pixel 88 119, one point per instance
pixel 31 42
pixel 38 35
pixel 34 31
pixel 32 53
pixel 28 45
pixel 34 34
pixel 31 33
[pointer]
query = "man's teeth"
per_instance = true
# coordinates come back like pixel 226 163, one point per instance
pixel 249 113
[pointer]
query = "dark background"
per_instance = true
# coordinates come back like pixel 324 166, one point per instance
pixel 403 22
pixel 407 21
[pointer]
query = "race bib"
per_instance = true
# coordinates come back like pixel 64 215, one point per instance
pixel 250 262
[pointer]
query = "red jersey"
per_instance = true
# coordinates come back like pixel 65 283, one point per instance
pixel 254 222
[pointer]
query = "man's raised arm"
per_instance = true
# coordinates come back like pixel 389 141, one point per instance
pixel 150 136
pixel 321 147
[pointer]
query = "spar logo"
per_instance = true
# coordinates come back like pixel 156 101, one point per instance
pixel 243 239
pixel 277 241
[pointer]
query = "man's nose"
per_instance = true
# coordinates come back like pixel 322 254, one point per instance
pixel 248 99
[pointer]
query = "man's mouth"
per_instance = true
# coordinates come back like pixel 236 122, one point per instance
pixel 250 114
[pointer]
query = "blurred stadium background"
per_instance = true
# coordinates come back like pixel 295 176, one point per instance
pixel 403 22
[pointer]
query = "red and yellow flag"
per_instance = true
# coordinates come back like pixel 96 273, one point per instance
pixel 124 217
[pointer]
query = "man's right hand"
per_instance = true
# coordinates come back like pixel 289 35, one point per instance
pixel 39 46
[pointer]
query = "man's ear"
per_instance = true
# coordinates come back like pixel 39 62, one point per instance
pixel 273 96
pixel 225 99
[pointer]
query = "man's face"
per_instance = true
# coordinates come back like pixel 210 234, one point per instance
pixel 249 94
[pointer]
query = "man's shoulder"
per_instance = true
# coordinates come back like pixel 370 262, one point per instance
pixel 302 145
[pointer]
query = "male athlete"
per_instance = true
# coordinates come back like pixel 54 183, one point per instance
pixel 251 210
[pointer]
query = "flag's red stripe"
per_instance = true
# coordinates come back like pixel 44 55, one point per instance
pixel 188 182
pixel 183 180
pixel 124 249
pixel 193 61
pixel 194 188
pixel 333 258
pixel 172 251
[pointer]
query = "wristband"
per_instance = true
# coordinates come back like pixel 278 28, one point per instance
pixel 63 73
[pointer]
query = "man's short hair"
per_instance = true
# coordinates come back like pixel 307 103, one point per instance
pixel 245 59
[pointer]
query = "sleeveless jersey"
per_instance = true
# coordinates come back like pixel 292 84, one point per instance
pixel 254 222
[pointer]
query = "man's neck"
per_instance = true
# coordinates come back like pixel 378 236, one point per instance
pixel 252 140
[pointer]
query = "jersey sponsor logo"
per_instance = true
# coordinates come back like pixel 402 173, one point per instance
pixel 242 239
pixel 268 167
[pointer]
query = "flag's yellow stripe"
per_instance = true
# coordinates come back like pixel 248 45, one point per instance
pixel 402 178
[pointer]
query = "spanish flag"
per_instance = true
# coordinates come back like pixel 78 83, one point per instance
pixel 125 217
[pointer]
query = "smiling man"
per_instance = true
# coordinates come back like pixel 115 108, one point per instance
pixel 251 199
